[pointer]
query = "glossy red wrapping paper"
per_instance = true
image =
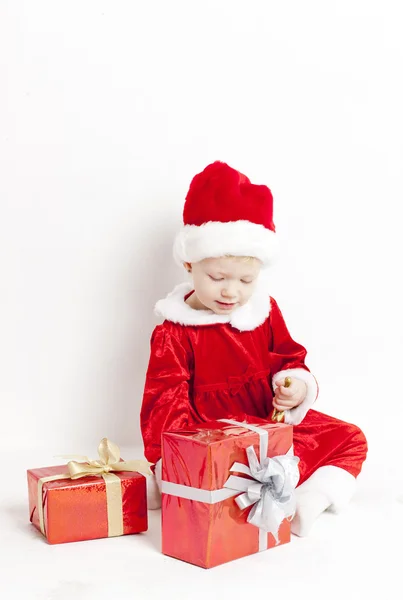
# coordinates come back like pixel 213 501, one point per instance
pixel 77 510
pixel 204 534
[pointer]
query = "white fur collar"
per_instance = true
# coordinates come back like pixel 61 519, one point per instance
pixel 245 318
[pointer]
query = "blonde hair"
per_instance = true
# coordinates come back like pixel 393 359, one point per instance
pixel 242 258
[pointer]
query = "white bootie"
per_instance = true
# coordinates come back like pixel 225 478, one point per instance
pixel 153 488
pixel 310 505
pixel 328 488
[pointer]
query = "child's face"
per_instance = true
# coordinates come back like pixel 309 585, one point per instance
pixel 225 283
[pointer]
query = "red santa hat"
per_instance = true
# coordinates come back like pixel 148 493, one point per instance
pixel 225 214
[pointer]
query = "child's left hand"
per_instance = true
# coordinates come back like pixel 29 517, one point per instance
pixel 286 398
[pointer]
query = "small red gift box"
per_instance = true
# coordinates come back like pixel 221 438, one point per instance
pixel 206 519
pixel 85 501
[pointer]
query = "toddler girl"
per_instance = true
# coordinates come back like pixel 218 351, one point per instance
pixel 224 351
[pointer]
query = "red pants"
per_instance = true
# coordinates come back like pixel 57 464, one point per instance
pixel 322 440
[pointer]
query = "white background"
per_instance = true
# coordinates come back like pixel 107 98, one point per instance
pixel 107 110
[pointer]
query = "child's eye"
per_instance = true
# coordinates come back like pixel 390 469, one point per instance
pixel 214 279
pixel 246 281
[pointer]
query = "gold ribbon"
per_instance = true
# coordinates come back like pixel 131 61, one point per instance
pixel 109 460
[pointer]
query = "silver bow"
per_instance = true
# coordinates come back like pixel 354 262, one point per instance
pixel 271 490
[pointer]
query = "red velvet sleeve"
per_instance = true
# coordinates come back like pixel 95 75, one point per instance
pixel 166 393
pixel 288 359
pixel 285 352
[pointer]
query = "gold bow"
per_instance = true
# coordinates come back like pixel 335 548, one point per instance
pixel 109 460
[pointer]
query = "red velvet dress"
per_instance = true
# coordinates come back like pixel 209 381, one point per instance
pixel 206 372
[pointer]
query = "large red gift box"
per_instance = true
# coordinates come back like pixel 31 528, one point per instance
pixel 212 529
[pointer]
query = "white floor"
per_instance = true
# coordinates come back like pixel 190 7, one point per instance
pixel 357 554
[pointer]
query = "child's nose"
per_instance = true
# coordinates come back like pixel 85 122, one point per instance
pixel 228 291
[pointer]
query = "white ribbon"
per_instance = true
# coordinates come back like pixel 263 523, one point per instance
pixel 271 489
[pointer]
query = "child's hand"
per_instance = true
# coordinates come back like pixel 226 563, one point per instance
pixel 286 398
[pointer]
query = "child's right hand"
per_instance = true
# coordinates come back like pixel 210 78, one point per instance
pixel 286 398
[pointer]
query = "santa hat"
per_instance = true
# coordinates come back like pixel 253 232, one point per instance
pixel 225 214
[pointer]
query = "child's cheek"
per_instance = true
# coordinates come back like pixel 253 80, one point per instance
pixel 210 289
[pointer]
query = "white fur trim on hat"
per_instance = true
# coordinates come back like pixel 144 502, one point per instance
pixel 245 318
pixel 210 240
pixel 294 416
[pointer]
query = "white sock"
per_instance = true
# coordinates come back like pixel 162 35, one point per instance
pixel 310 504
pixel 329 487
pixel 153 493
